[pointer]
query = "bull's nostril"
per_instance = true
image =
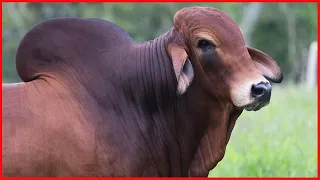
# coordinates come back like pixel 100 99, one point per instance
pixel 261 91
pixel 256 91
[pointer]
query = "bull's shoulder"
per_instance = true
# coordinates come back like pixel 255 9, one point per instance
pixel 12 93
pixel 7 87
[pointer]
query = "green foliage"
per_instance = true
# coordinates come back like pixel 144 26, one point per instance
pixel 279 140
pixel 271 33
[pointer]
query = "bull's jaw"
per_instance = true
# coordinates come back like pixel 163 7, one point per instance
pixel 255 107
pixel 213 143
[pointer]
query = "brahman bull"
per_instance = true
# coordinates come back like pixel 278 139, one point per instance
pixel 96 103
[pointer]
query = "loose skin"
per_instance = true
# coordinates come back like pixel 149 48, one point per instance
pixel 96 103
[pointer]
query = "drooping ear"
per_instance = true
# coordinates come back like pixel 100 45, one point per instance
pixel 266 65
pixel 182 67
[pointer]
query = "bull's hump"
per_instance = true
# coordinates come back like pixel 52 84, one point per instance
pixel 66 40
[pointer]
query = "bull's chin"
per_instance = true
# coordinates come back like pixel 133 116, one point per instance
pixel 255 106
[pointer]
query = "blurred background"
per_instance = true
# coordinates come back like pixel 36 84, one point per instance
pixel 279 140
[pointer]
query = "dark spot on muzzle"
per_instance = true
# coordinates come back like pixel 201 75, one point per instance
pixel 262 92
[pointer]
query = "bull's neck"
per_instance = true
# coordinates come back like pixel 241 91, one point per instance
pixel 155 71
pixel 176 122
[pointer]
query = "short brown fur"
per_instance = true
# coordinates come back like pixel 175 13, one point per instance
pixel 96 103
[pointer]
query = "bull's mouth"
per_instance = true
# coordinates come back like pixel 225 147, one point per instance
pixel 256 106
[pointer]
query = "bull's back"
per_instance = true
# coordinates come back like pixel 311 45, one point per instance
pixel 14 117
pixel 25 150
pixel 44 134
pixel 13 102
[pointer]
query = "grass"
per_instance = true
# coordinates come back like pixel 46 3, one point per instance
pixel 279 140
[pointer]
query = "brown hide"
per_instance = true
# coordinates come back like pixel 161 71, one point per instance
pixel 96 103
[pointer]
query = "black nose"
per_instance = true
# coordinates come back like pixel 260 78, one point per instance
pixel 262 92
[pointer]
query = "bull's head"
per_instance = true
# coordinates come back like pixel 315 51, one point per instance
pixel 209 44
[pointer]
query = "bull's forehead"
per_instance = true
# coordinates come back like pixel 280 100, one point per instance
pixel 219 23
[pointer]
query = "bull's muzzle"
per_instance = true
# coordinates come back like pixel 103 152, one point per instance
pixel 261 92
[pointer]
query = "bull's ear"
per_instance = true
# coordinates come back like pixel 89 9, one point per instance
pixel 266 65
pixel 182 67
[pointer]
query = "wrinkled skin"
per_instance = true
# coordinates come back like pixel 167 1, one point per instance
pixel 96 103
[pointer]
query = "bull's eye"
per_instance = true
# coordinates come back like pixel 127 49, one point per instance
pixel 204 44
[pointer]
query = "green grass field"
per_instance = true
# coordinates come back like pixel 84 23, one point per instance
pixel 279 140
